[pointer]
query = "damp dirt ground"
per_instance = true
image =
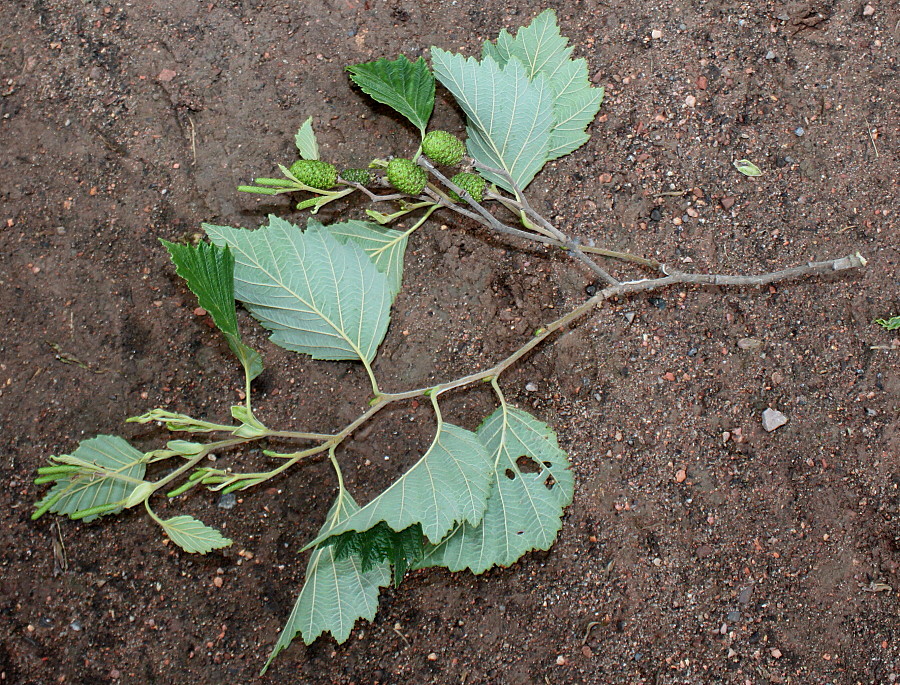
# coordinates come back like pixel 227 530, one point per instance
pixel 700 548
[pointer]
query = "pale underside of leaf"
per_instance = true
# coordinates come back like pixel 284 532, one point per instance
pixel 510 118
pixel 542 50
pixel 405 86
pixel 316 294
pixel 336 592
pixel 384 246
pixel 85 492
pixel 449 484
pixel 193 536
pixel 539 46
pixel 306 141
pixel 522 513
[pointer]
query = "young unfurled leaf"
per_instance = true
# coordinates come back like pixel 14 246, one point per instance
pixel 193 536
pixel 407 87
pixel 449 484
pixel 748 168
pixel 384 246
pixel 306 141
pixel 542 50
pixel 510 117
pixel 381 543
pixel 532 485
pixel 209 273
pixel 316 294
pixel 109 472
pixel 891 324
pixel 336 592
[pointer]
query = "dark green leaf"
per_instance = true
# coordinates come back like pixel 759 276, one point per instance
pixel 209 273
pixel 406 86
pixel 381 543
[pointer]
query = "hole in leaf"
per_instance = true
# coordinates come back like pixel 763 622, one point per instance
pixel 528 465
pixel 550 482
pixel 521 532
pixel 510 474
pixel 548 464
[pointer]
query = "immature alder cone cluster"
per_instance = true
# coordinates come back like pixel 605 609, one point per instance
pixel 443 148
pixel 314 173
pixel 406 176
pixel 361 176
pixel 473 184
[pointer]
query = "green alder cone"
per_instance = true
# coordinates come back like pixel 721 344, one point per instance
pixel 361 176
pixel 471 183
pixel 314 173
pixel 443 148
pixel 406 176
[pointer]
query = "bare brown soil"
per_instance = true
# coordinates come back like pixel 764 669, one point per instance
pixel 699 549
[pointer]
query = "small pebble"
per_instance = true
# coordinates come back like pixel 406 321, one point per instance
pixel 432 657
pixel 561 660
pixel 657 302
pixel 629 317
pixel 776 653
pixel 76 626
pixel 780 162
pixel 727 202
pixel 680 476
pixel 693 352
pixel 218 581
pixel 749 344
pixel 45 622
pixel 590 290
pixel 228 500
pixel 770 55
pixel 868 11
pixel 690 101
pixel 799 131
pixel 772 419
pixel 733 616
pixel 655 214
pixel 531 387
pixel 655 34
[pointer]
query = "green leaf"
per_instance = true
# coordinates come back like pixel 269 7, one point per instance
pixel 523 513
pixel 336 592
pixel 318 295
pixel 193 536
pixel 306 141
pixel 543 51
pixel 406 86
pixel 449 484
pixel 111 470
pixel 891 324
pixel 209 273
pixel 748 168
pixel 510 118
pixel 384 246
pixel 381 543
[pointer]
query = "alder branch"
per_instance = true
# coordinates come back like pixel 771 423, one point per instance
pixel 497 225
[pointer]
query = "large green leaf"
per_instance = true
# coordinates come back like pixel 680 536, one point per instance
pixel 406 86
pixel 192 535
pixel 318 295
pixel 111 470
pixel 336 592
pixel 510 117
pixel 385 246
pixel 306 140
pixel 449 484
pixel 532 486
pixel 539 46
pixel 546 61
pixel 209 273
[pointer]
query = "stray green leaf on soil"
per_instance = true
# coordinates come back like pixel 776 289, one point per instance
pixel 748 168
pixel 477 497
pixel 891 324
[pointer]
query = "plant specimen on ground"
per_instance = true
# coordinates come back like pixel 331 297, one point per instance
pixel 479 496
